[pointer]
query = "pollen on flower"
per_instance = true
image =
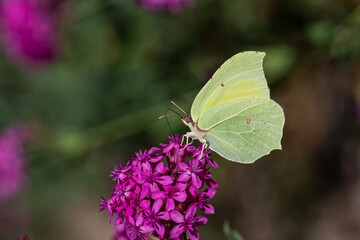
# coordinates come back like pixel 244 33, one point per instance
pixel 159 192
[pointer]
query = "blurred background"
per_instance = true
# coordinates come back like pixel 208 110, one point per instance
pixel 82 84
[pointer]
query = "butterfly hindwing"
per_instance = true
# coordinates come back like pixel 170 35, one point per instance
pixel 243 130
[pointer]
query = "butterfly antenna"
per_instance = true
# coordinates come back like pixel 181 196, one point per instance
pixel 167 120
pixel 178 107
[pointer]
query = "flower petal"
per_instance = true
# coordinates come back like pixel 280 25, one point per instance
pixel 177 230
pixel 145 204
pixel 180 196
pixel 158 195
pixel 192 233
pixel 183 177
pixel 183 166
pixel 130 221
pixel 144 192
pixel 193 191
pixel 164 215
pixel 165 180
pixel 159 228
pixel 191 211
pixel 157 205
pixel 180 186
pixel 129 212
pixel 146 167
pixel 207 208
pixel 212 163
pixel 155 159
pixel 146 228
pixel 195 180
pixel 139 219
pixel 176 216
pixel 208 193
pixel 211 183
pixel 199 221
pixel 159 168
pixel 170 204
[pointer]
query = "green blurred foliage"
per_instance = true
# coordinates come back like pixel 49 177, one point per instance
pixel 230 233
pixel 120 65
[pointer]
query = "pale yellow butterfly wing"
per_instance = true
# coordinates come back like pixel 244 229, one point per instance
pixel 245 129
pixel 240 76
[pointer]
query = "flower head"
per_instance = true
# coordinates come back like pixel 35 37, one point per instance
pixel 152 198
pixel 28 30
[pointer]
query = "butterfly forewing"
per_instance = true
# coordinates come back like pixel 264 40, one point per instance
pixel 240 76
pixel 245 129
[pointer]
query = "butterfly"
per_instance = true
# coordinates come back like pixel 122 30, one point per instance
pixel 233 113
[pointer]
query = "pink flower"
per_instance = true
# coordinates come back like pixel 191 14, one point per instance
pixel 136 228
pixel 28 31
pixel 194 170
pixel 12 172
pixel 156 218
pixel 171 194
pixel 155 177
pixel 186 223
pixel 145 184
pixel 200 198
pixel 173 6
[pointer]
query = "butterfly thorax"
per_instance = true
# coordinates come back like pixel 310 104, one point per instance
pixel 195 131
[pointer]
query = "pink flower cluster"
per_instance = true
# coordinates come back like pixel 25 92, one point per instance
pixel 174 6
pixel 12 172
pixel 150 198
pixel 28 30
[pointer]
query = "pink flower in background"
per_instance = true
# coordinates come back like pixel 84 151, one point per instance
pixel 28 31
pixel 24 238
pixel 12 175
pixel 174 6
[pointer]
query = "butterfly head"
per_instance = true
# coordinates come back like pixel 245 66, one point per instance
pixel 187 120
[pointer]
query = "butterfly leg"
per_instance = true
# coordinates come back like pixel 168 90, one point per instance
pixel 204 145
pixel 187 136
pixel 182 139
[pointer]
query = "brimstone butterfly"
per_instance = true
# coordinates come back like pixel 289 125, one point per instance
pixel 233 112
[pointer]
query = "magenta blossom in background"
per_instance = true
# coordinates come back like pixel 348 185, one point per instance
pixel 28 30
pixel 150 198
pixel 173 6
pixel 24 238
pixel 12 175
